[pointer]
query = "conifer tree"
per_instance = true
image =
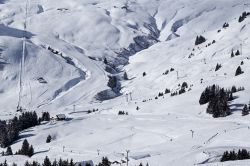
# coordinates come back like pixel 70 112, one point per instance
pixel 199 40
pixel 54 163
pixel 46 162
pixel 105 61
pixel 31 151
pixel 232 54
pixel 71 163
pixel 245 111
pixel 238 71
pixel 125 76
pixel 48 140
pixel 237 53
pixel 25 148
pixel 5 163
pixel 8 151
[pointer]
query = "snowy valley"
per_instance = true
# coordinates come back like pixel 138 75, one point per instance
pixel 128 76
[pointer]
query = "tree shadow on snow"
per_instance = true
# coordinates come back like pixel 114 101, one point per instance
pixel 13 32
pixel 42 151
pixel 25 136
pixel 236 107
pixel 28 130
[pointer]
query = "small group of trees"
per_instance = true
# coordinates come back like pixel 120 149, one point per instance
pixel 112 83
pixel 105 162
pixel 45 116
pixel 225 25
pixel 182 90
pixel 60 162
pixel 246 110
pixel 47 162
pixel 234 89
pixel 232 155
pixel 26 149
pixel 243 16
pixel 233 54
pixel 209 44
pixel 199 40
pixel 94 110
pixel 167 71
pixel 9 130
pixel 218 66
pixel 8 152
pixel 122 113
pixel 217 99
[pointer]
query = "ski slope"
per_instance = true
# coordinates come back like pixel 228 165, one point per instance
pixel 61 66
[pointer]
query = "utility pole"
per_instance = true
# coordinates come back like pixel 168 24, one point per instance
pixel 74 108
pixel 130 94
pixel 177 74
pixel 127 151
pixel 192 133
pixel 63 148
pixel 241 50
pixel 98 152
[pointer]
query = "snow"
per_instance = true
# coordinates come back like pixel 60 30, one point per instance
pixel 160 131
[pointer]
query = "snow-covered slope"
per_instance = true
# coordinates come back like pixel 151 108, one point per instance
pixel 52 55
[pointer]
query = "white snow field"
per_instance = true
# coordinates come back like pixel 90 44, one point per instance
pixel 51 58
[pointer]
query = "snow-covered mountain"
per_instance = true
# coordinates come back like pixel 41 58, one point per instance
pixel 58 56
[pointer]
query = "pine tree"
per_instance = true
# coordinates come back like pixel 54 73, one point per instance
pixel 249 107
pixel 125 76
pixel 218 66
pixel 105 61
pixel 71 163
pixel 245 111
pixel 34 163
pixel 25 148
pixel 199 40
pixel 112 83
pixel 230 98
pixel 54 163
pixel 238 71
pixel 46 162
pixel 8 151
pixel 60 162
pixel 48 140
pixel 105 162
pixel 31 151
pixel 45 116
pixel 237 53
pixel 233 90
pixel 27 163
pixel 232 54
pixel 144 74
pixel 4 141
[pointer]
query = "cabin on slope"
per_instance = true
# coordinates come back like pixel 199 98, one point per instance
pixel 60 117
